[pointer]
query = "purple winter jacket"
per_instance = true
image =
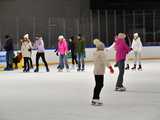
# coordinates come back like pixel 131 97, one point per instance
pixel 39 45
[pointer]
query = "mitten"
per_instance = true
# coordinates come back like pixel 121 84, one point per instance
pixel 111 69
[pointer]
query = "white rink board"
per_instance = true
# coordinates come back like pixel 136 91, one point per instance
pixel 148 52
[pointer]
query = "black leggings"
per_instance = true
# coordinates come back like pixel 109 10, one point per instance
pixel 74 58
pixel 98 86
pixel 38 55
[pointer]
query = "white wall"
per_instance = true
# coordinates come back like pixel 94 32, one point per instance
pixel 148 53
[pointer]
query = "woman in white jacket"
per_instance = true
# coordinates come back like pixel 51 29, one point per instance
pixel 25 49
pixel 137 49
pixel 100 62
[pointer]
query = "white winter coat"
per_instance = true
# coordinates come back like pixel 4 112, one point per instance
pixel 137 45
pixel 100 62
pixel 25 49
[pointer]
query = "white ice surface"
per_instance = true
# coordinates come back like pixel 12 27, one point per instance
pixel 67 95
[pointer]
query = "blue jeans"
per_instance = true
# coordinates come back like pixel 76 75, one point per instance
pixel 9 58
pixel 121 65
pixel 81 57
pixel 63 60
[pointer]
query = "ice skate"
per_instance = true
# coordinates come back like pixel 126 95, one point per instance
pixel 60 70
pixel 127 67
pixel 96 103
pixel 134 67
pixel 78 69
pixel 68 70
pixel 36 70
pixel 73 67
pixel 116 65
pixel 121 89
pixel 47 70
pixel 82 69
pixel 140 68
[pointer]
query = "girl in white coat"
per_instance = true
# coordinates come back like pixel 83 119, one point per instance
pixel 25 49
pixel 137 49
pixel 100 62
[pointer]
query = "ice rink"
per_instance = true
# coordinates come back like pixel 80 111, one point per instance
pixel 67 95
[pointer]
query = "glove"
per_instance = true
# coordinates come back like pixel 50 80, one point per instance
pixel 29 49
pixel 57 54
pixel 111 69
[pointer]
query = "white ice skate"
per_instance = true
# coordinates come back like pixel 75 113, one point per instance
pixel 120 89
pixel 96 103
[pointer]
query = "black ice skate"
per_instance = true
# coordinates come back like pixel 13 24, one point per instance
pixel 134 67
pixel 127 67
pixel 116 65
pixel 82 69
pixel 36 70
pixel 140 67
pixel 96 103
pixel 47 70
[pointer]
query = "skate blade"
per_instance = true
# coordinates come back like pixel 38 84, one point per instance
pixel 96 104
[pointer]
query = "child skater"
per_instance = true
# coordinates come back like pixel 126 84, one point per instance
pixel 137 49
pixel 39 45
pixel 100 62
pixel 122 50
pixel 62 51
pixel 26 36
pixel 128 42
pixel 81 53
pixel 25 49
pixel 73 47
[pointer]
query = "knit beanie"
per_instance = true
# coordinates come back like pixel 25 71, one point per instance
pixel 121 35
pixel 61 37
pixel 100 46
pixel 96 41
pixel 26 36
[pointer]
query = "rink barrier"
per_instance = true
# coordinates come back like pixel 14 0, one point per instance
pixel 149 53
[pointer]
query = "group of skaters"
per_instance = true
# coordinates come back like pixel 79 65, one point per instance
pixel 76 44
pixel 122 48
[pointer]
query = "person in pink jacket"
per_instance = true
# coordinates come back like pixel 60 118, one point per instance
pixel 62 52
pixel 122 50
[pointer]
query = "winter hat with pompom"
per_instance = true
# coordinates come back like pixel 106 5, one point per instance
pixel 100 46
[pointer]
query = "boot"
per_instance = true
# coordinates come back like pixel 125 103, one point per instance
pixel 82 68
pixel 140 67
pixel 36 70
pixel 134 67
pixel 79 67
pixel 47 70
pixel 127 67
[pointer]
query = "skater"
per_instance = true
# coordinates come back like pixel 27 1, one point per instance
pixel 17 59
pixel 137 49
pixel 80 53
pixel 100 62
pixel 39 45
pixel 73 47
pixel 26 36
pixel 25 49
pixel 62 52
pixel 9 48
pixel 128 42
pixel 121 51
